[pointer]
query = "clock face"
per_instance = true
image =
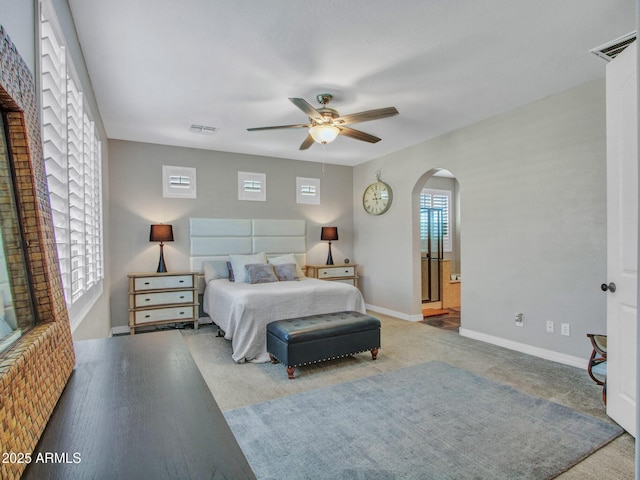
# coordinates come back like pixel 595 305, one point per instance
pixel 377 198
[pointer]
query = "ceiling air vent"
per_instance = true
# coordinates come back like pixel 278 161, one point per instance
pixel 203 129
pixel 612 49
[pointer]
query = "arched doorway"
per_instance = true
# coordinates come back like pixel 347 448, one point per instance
pixel 436 200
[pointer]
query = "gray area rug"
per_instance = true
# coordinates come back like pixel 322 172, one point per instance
pixel 429 421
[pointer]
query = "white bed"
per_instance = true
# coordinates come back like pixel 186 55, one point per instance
pixel 242 310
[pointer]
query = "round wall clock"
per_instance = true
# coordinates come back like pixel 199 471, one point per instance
pixel 377 197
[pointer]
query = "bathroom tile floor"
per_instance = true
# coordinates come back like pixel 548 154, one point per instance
pixel 447 321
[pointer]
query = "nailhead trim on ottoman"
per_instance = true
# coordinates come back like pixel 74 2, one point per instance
pixel 318 338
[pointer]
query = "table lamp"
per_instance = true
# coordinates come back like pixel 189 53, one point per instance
pixel 161 233
pixel 329 234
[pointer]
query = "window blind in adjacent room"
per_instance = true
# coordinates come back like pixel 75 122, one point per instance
pixel 430 198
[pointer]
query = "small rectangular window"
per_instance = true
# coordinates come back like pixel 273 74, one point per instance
pixel 308 190
pixel 178 182
pixel 252 186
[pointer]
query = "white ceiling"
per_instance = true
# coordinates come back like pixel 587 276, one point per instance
pixel 159 66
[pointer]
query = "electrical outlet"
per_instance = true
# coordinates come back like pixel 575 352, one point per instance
pixel 519 318
pixel 550 326
pixel 565 329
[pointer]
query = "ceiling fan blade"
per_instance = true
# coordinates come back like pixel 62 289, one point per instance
pixel 306 107
pixel 298 125
pixel 307 143
pixel 358 135
pixel 367 116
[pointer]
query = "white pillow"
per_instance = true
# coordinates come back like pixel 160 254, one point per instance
pixel 288 258
pixel 215 269
pixel 238 263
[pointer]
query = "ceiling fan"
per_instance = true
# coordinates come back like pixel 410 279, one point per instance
pixel 325 123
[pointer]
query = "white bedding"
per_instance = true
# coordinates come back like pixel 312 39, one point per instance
pixel 243 310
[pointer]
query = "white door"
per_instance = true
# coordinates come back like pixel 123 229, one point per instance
pixel 622 237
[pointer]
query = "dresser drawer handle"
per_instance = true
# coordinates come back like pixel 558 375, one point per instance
pixel 147 283
pixel 180 281
pixel 181 296
pixel 147 316
pixel 181 313
pixel 147 299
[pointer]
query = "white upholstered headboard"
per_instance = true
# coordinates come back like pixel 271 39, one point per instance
pixel 217 238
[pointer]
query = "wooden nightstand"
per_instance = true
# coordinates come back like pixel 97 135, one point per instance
pixel 159 298
pixel 344 272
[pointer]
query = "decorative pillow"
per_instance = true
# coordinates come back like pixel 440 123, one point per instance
pixel 215 269
pixel 260 273
pixel 231 279
pixel 238 263
pixel 288 258
pixel 286 272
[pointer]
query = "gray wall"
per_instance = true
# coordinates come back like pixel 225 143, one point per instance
pixel 532 213
pixel 135 175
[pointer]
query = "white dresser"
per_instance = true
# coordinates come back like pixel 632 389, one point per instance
pixel 346 273
pixel 159 298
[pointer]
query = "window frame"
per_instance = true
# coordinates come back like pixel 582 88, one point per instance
pixel 170 190
pixel 308 197
pixel 254 195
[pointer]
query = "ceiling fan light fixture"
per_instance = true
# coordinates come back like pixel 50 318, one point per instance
pixel 324 133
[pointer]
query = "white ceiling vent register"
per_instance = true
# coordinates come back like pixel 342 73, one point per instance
pixel 203 129
pixel 612 49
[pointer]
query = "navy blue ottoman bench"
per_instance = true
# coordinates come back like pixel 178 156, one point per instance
pixel 316 338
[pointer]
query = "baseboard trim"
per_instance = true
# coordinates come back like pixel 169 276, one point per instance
pixel 528 349
pixel 123 329
pixel 393 313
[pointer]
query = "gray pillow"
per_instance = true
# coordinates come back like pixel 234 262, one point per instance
pixel 231 279
pixel 286 272
pixel 260 273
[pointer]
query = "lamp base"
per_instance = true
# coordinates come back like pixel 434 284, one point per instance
pixel 329 257
pixel 162 268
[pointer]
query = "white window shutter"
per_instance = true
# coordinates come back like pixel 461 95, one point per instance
pixel 72 152
pixel 54 143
